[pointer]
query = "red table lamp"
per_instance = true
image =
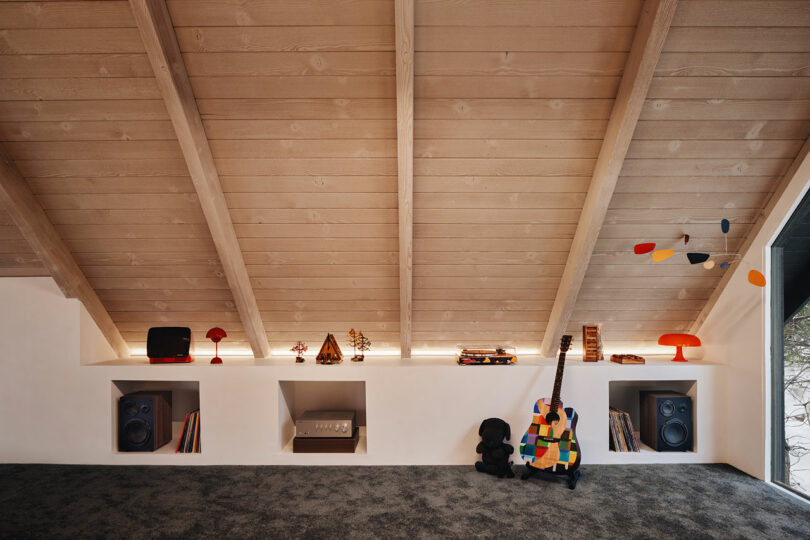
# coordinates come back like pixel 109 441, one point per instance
pixel 680 341
pixel 216 334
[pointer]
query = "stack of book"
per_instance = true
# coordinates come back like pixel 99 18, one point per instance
pixel 189 441
pixel 622 436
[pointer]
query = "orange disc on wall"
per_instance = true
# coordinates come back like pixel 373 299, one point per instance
pixel 755 277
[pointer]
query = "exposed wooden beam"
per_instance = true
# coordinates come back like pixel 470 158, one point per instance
pixel 799 168
pixel 160 41
pixel 404 65
pixel 19 201
pixel 651 31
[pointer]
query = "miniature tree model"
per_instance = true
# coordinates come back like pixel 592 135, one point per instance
pixel 364 344
pixel 354 341
pixel 299 348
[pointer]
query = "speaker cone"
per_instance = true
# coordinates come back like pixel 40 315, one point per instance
pixel 136 431
pixel 667 408
pixel 131 408
pixel 674 432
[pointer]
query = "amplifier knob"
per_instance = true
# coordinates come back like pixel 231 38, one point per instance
pixel 345 428
pixel 337 427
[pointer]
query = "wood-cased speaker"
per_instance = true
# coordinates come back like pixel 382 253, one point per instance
pixel 144 421
pixel 666 421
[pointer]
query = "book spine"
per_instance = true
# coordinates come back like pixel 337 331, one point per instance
pixel 196 432
pixel 182 435
pixel 632 434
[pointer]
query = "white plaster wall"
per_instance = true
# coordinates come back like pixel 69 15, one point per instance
pixel 737 333
pixel 42 401
pixel 58 399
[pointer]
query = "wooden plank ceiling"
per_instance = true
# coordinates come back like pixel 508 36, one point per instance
pixel 512 103
pixel 298 100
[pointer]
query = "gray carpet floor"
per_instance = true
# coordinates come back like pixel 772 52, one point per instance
pixel 641 501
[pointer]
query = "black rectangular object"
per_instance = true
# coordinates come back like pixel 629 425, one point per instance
pixel 168 342
pixel 331 445
pixel 144 421
pixel 666 421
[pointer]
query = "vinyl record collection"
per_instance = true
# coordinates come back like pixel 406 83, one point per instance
pixel 622 436
pixel 189 441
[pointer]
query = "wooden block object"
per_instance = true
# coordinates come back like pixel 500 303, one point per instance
pixel 591 343
pixel 331 445
pixel 627 359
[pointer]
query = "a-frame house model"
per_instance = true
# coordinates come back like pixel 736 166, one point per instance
pixel 330 352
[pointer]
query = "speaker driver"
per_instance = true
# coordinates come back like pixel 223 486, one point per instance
pixel 674 432
pixel 136 432
pixel 667 408
pixel 131 408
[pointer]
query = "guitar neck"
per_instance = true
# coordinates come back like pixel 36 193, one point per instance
pixel 555 396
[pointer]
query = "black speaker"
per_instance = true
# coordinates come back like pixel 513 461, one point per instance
pixel 168 344
pixel 666 421
pixel 144 421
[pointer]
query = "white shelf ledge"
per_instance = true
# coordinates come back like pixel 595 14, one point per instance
pixel 524 361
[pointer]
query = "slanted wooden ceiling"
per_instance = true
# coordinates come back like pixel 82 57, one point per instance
pixel 298 101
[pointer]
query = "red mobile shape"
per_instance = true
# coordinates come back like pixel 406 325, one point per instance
pixel 640 249
pixel 216 334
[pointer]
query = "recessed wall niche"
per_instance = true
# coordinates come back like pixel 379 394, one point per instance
pixel 626 395
pixel 295 397
pixel 185 398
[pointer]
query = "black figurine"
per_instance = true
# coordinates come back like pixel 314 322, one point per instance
pixel 494 452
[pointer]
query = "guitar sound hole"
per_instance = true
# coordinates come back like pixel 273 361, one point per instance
pixel 552 417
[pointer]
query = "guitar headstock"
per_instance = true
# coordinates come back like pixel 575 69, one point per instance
pixel 565 343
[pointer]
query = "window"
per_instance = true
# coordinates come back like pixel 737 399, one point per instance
pixel 790 283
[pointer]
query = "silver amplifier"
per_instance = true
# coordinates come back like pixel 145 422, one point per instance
pixel 316 424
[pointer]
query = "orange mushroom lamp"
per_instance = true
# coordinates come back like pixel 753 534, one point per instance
pixel 680 341
pixel 216 334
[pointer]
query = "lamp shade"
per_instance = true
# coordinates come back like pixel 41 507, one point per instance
pixel 216 334
pixel 679 341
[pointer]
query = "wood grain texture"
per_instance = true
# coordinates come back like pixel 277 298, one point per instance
pixel 77 111
pixel 754 13
pixel 68 14
pixel 285 38
pixel 70 41
pixel 157 32
pixel 276 13
pixel 297 109
pixel 404 39
pixel 493 37
pixel 559 13
pixel 76 65
pixel 20 203
pixel 651 33
pixel 288 64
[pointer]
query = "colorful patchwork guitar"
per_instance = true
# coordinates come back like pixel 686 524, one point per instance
pixel 550 443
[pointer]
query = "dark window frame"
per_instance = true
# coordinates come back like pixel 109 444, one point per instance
pixel 777 323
